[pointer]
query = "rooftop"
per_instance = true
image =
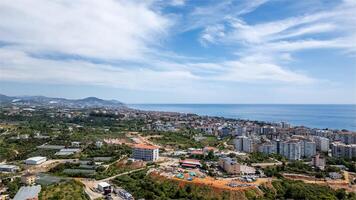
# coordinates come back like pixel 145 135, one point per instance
pixel 37 158
pixel 190 161
pixel 145 146
pixel 9 166
pixel 29 192
pixel 104 184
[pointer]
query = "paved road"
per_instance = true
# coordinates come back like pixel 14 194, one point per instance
pixel 124 173
pixel 91 184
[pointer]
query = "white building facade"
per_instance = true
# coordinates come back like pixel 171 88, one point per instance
pixel 145 152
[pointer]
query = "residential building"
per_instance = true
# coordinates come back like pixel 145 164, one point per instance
pixel 243 144
pixel 318 161
pixel 224 132
pixel 346 137
pixel 231 166
pixel 308 148
pixel 291 149
pixel 322 133
pixel 277 144
pixel 240 131
pixel 322 143
pixel 267 130
pixel 285 125
pixel 28 179
pixel 268 148
pixel 145 152
pixel 340 149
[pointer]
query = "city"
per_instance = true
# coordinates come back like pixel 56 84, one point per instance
pixel 177 100
pixel 93 152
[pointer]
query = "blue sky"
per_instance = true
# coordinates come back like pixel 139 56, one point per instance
pixel 180 51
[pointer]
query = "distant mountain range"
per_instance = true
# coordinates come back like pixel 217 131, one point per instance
pixel 89 102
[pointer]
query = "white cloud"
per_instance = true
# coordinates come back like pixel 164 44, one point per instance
pixel 256 71
pixel 211 33
pixel 133 31
pixel 178 2
pixel 293 33
pixel 17 66
pixel 217 12
pixel 99 29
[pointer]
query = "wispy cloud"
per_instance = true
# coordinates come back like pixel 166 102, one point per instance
pixel 106 29
pixel 123 44
pixel 294 33
pixel 18 66
pixel 277 40
pixel 217 12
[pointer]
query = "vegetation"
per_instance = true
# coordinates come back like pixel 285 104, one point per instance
pixel 114 169
pixel 299 167
pixel 258 157
pixel 92 171
pixel 149 187
pixel 15 149
pixel 182 139
pixel 71 170
pixel 13 186
pixel 113 151
pixel 64 190
pixel 350 164
pixel 289 189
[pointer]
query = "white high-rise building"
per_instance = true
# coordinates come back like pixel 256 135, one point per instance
pixel 240 131
pixel 291 149
pixel 309 148
pixel 322 143
pixel 145 152
pixel 285 125
pixel 243 144
pixel 268 148
pixel 339 149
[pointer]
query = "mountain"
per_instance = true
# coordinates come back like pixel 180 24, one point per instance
pixel 89 102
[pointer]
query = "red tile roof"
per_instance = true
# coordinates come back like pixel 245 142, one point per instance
pixel 189 165
pixel 196 152
pixel 145 146
pixel 190 161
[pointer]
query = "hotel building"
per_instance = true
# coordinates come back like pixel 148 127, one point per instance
pixel 145 152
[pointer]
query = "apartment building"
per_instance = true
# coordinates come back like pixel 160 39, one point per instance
pixel 340 149
pixel 322 143
pixel 318 161
pixel 231 166
pixel 268 148
pixel 145 152
pixel 291 149
pixel 243 144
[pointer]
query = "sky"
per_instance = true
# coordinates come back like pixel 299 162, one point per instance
pixel 181 51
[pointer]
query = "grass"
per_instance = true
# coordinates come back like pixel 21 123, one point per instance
pixel 65 191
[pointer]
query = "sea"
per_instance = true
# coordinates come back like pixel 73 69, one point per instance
pixel 311 115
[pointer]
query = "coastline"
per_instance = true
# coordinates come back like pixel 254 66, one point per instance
pixel 321 116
